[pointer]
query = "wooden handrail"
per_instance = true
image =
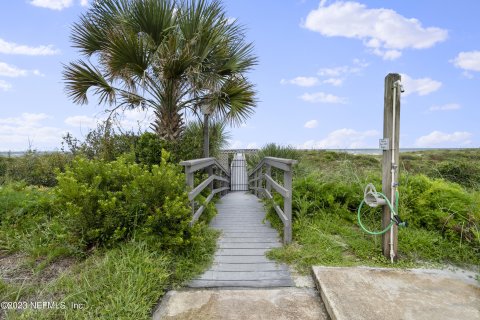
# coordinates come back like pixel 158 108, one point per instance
pixel 257 177
pixel 222 175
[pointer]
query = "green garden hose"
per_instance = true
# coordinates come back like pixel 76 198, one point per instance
pixel 394 210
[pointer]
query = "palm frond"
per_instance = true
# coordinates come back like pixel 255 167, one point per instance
pixel 79 77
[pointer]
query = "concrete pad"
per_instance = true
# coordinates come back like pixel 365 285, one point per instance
pixel 265 304
pixel 381 293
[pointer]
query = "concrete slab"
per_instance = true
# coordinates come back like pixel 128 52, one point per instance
pixel 381 293
pixel 264 304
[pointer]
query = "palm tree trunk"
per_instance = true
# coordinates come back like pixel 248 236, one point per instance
pixel 206 140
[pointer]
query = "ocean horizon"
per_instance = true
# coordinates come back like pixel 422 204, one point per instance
pixel 372 151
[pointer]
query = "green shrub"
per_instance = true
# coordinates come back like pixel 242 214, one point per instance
pixel 148 149
pixel 107 202
pixel 436 204
pixel 465 173
pixel 34 168
pixel 103 142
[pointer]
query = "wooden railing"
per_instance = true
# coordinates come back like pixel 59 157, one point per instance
pixel 261 182
pixel 215 172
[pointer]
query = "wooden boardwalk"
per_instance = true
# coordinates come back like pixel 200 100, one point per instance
pixel 240 259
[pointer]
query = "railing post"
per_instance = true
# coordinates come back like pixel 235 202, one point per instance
pixel 210 173
pixel 256 183
pixel 189 179
pixel 287 205
pixel 268 185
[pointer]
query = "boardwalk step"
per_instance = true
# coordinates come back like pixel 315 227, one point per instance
pixel 247 240
pixel 242 284
pixel 241 259
pixel 248 245
pixel 244 275
pixel 266 266
pixel 242 252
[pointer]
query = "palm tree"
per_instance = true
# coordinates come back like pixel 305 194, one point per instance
pixel 162 54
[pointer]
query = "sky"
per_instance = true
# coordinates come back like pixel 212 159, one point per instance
pixel 320 76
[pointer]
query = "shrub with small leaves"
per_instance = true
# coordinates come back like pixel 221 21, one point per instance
pixel 108 202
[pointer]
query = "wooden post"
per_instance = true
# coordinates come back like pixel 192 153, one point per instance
pixel 387 158
pixel 210 173
pixel 287 205
pixel 256 183
pixel 189 179
pixel 268 185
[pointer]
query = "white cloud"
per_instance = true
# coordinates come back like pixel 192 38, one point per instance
pixel 17 132
pixel 445 107
pixel 14 48
pixel 469 60
pixel 337 75
pixel 4 85
pixel 441 139
pixel 54 4
pixel 342 139
pixel 383 31
pixel 321 97
pixel 7 70
pixel 311 124
pixel 252 145
pixel 81 121
pixel 301 81
pixel 334 81
pixel 84 3
pixel 421 86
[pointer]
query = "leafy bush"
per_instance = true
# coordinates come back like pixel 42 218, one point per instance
pixel 148 149
pixel 107 202
pixel 465 173
pixel 106 143
pixel 436 204
pixel 34 168
pixel 103 142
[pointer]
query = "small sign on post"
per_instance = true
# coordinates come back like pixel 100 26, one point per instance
pixel 384 144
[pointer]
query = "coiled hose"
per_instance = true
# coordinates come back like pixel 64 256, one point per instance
pixel 394 210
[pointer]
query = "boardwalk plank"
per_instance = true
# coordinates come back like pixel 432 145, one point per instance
pixel 240 259
pixel 242 284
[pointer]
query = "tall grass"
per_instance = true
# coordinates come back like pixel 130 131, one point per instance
pixel 444 216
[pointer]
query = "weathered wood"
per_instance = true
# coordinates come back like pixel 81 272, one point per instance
pixel 240 260
pixel 287 207
pixel 191 166
pixel 387 157
pixel 251 267
pixel 245 275
pixel 282 164
pixel 285 191
pixel 242 284
pixel 197 164
pixel 279 188
pixel 268 185
pixel 248 245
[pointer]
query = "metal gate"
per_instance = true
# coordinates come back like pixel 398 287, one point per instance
pixel 238 173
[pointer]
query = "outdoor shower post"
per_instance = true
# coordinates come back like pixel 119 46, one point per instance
pixel 387 166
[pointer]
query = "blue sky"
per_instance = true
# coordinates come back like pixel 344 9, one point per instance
pixel 320 76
